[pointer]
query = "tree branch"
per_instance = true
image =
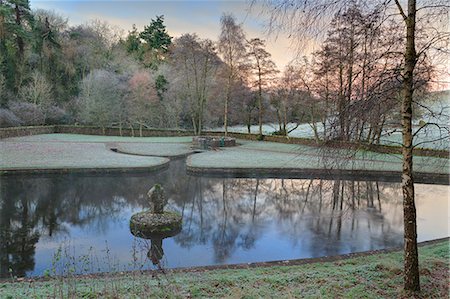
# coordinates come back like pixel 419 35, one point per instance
pixel 401 10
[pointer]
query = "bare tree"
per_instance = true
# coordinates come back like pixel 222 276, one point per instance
pixel 301 18
pixel 231 47
pixel 195 61
pixel 289 100
pixel 38 91
pixel 142 99
pixel 101 98
pixel 262 69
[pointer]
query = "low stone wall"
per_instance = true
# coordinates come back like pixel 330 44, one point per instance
pixel 384 149
pixel 87 130
pixel 25 131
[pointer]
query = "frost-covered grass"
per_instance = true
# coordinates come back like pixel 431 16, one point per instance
pixel 155 149
pixel 373 276
pixel 64 155
pixel 303 130
pixel 426 138
pixel 98 138
pixel 55 151
pixel 72 151
pixel 431 136
pixel 279 155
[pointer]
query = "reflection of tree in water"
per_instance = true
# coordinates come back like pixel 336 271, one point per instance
pixel 330 213
pixel 17 233
pixel 35 207
pixel 334 212
pixel 227 213
pixel 219 211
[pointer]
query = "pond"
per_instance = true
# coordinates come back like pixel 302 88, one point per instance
pixel 80 223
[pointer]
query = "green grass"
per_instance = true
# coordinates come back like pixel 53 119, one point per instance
pixel 373 276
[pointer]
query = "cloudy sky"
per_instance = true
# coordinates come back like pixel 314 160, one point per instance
pixel 182 16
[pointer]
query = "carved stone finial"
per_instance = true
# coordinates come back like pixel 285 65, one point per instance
pixel 157 199
pixel 155 223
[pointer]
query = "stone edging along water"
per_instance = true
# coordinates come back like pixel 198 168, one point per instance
pixel 91 130
pixel 292 262
pixel 171 157
pixel 85 170
pixel 300 173
pixel 437 178
pixel 303 261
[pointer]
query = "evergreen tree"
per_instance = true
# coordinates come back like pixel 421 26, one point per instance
pixel 157 42
pixel 161 84
pixel 15 23
pixel 133 42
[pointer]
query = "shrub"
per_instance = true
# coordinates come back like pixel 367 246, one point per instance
pixel 28 113
pixel 8 119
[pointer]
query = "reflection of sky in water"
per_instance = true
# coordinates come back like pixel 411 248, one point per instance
pixel 289 219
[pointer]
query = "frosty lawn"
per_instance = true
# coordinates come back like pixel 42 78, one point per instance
pixel 98 138
pixel 155 149
pixel 72 151
pixel 89 152
pixel 15 156
pixel 266 155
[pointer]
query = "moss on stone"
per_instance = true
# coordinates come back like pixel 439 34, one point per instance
pixel 150 225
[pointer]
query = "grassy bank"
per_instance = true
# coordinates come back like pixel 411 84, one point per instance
pixel 372 276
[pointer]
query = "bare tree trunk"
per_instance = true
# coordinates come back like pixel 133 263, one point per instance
pixel 227 99
pixel 285 119
pixel 20 42
pixel 380 130
pixel 260 108
pixel 349 83
pixel 194 126
pixel 225 117
pixel 411 274
pixel 249 122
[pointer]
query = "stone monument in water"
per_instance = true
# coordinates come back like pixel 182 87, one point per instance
pixel 156 224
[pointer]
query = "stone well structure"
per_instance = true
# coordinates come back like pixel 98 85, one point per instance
pixel 210 142
pixel 156 222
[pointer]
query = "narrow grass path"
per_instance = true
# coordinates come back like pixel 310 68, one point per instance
pixel 373 276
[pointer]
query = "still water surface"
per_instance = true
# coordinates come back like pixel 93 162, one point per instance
pixel 80 223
